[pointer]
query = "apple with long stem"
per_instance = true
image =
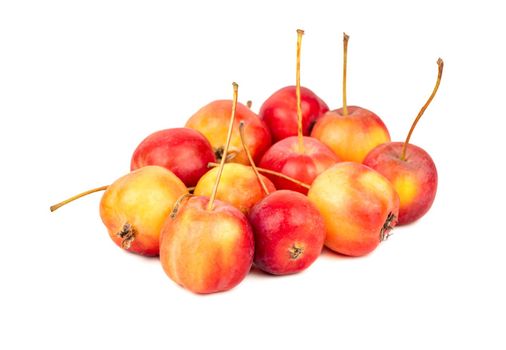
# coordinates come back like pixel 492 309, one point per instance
pixel 351 131
pixel 207 245
pixel 410 168
pixel 300 157
pixel 280 111
pixel 135 206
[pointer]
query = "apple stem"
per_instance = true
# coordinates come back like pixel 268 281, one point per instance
pixel 346 37
pixel 225 150
pixel 249 103
pixel 73 198
pixel 300 33
pixel 440 64
pixel 250 158
pixel 271 172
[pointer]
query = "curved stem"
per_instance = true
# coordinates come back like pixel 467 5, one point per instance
pixel 300 33
pixel 250 158
pixel 346 37
pixel 225 151
pixel 271 172
pixel 71 199
pixel 440 64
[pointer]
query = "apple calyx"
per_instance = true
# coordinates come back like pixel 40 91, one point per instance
pixel 295 252
pixel 386 230
pixel 127 235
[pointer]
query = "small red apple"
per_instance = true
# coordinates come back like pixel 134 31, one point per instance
pixel 359 207
pixel 351 132
pixel 410 169
pixel 207 245
pixel 279 112
pixel 289 232
pixel 184 151
pixel 284 157
pixel 299 157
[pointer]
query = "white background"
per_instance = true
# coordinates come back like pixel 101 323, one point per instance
pixel 83 82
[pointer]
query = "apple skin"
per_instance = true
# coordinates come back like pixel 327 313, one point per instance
pixel 184 151
pixel 207 251
pixel 238 186
pixel 284 157
pixel 355 202
pixel 279 112
pixel 351 137
pixel 415 179
pixel 141 199
pixel 289 232
pixel 212 121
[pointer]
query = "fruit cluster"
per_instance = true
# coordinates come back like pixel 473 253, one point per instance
pixel 196 198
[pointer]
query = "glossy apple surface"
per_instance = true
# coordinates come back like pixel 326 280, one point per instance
pixel 279 112
pixel 359 207
pixel 207 251
pixel 284 157
pixel 135 207
pixel 415 178
pixel 184 151
pixel 352 136
pixel 239 186
pixel 289 232
pixel 212 121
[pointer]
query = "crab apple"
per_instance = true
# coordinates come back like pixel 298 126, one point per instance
pixel 302 158
pixel 239 186
pixel 284 157
pixel 289 232
pixel 207 245
pixel 279 112
pixel 184 151
pixel 351 131
pixel 211 121
pixel 410 169
pixel 135 207
pixel 207 251
pixel 359 207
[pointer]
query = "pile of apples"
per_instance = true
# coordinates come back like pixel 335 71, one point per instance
pixel 195 197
